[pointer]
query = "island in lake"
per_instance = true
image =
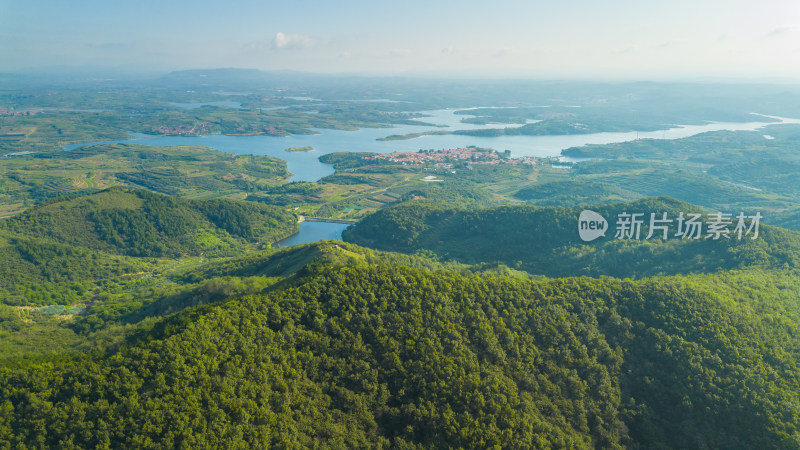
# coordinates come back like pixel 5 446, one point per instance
pixel 299 149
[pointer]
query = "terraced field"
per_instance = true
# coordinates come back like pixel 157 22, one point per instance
pixel 187 171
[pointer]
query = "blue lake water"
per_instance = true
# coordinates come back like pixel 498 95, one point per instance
pixel 306 167
pixel 313 232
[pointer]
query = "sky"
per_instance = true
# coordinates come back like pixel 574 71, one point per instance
pixel 577 39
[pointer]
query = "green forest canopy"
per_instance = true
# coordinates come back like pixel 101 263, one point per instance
pixel 544 240
pixel 140 223
pixel 393 356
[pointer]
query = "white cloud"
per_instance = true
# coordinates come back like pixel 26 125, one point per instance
pixel 783 29
pixel 449 50
pixel 626 49
pixel 506 51
pixel 672 43
pixel 283 41
pixel 400 52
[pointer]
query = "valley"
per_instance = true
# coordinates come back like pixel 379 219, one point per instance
pixel 159 295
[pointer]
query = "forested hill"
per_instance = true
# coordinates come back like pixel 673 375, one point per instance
pixel 141 223
pixel 381 356
pixel 42 272
pixel 545 240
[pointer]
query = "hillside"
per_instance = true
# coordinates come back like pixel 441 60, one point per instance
pixel 140 223
pixel 715 170
pixel 41 272
pixel 486 296
pixel 249 274
pixel 186 171
pixel 383 356
pixel 544 240
pixel 574 192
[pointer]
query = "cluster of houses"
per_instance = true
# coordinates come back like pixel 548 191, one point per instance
pixel 183 130
pixel 21 112
pixel 445 158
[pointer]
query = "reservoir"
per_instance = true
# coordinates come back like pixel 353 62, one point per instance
pixel 313 232
pixel 306 166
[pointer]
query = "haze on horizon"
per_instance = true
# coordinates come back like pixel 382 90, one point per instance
pixel 616 39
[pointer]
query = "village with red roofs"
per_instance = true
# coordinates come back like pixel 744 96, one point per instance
pixel 183 130
pixel 18 113
pixel 444 159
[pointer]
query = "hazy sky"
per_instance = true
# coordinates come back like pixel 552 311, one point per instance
pixel 546 39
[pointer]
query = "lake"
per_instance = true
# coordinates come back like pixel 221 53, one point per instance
pixel 306 166
pixel 313 232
